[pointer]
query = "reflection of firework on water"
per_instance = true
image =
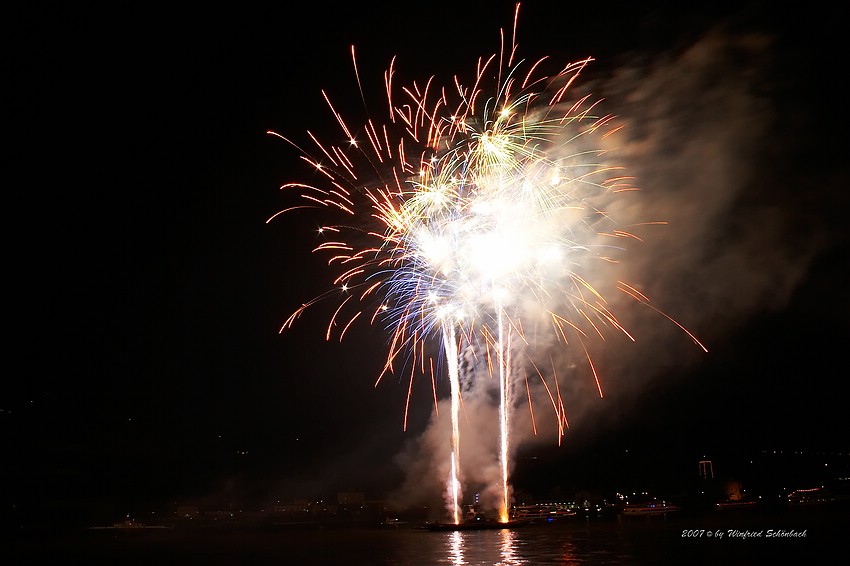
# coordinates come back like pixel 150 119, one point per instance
pixel 470 217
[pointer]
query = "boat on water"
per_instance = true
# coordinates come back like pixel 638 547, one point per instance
pixel 647 509
pixel 394 522
pixel 486 524
pixel 476 520
pixel 128 525
pixel 810 497
pixel 736 504
pixel 542 513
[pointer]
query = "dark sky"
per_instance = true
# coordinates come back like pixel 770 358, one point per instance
pixel 144 364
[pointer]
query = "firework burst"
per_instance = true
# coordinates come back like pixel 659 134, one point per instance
pixel 468 211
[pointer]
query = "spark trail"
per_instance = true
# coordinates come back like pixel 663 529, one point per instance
pixel 469 211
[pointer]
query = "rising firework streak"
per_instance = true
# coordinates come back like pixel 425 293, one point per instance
pixel 471 212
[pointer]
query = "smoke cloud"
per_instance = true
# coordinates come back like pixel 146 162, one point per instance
pixel 699 139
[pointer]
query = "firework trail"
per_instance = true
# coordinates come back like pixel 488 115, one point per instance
pixel 450 344
pixel 471 212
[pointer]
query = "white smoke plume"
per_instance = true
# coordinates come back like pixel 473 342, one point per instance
pixel 696 137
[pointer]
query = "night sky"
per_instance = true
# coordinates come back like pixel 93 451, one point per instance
pixel 146 290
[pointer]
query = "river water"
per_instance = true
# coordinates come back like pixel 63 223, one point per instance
pixel 727 539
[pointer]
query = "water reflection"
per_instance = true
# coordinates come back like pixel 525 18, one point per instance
pixel 456 548
pixel 497 547
pixel 509 548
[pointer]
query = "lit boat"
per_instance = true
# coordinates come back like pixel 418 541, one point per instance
pixel 652 508
pixel 808 497
pixel 540 513
pixel 128 525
